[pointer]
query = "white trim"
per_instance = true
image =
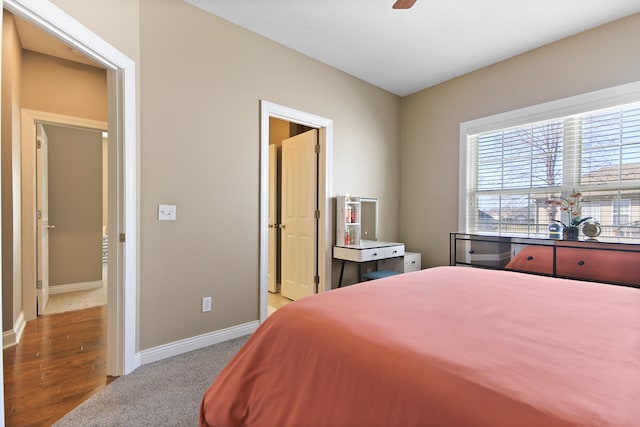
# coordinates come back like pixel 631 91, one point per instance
pixel 121 72
pixel 12 337
pixel 325 126
pixel 462 179
pixel 74 287
pixel 53 20
pixel 176 348
pixel 590 101
pixel 1 354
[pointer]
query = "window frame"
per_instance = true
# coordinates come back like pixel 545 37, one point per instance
pixel 616 212
pixel 596 100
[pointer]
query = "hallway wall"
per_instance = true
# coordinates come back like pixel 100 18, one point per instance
pixel 10 177
pixel 43 83
pixel 75 205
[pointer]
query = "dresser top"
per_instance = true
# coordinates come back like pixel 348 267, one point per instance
pixel 543 239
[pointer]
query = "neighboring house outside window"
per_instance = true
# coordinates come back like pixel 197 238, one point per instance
pixel 621 218
pixel 621 212
pixel 511 171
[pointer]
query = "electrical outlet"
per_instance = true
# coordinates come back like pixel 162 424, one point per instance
pixel 206 304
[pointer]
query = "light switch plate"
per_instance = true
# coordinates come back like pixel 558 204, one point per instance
pixel 167 212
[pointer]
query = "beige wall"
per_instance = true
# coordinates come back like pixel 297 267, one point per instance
pixel 11 224
pixel 59 86
pixel 200 83
pixel 603 57
pixel 205 159
pixel 75 205
pixel 116 21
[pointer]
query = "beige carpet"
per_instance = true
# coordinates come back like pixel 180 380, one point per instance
pixel 164 393
pixel 70 301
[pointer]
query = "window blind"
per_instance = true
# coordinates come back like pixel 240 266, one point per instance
pixel 513 172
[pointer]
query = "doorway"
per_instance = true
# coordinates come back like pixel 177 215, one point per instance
pixel 324 130
pixel 36 228
pixel 293 204
pixel 123 170
pixel 73 217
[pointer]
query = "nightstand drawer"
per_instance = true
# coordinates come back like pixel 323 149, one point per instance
pixel 412 261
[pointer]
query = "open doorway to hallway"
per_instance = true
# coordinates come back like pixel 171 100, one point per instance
pixel 64 94
pixel 77 189
pixel 71 38
pixel 41 90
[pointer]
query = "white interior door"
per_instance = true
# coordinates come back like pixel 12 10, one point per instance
pixel 42 214
pixel 298 229
pixel 273 163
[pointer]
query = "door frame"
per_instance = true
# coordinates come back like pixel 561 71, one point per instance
pixel 272 231
pixel 325 136
pixel 29 118
pixel 123 171
pixel 42 219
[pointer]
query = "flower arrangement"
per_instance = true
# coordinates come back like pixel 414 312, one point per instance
pixel 571 205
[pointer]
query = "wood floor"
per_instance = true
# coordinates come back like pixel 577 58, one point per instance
pixel 59 362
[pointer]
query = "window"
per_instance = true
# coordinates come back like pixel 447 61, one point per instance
pixel 515 162
pixel 621 218
pixel 592 209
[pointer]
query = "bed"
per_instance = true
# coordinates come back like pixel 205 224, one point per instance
pixel 446 346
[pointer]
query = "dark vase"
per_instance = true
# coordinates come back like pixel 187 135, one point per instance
pixel 572 233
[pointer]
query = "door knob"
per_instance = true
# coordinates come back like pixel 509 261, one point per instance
pixel 51 227
pixel 283 226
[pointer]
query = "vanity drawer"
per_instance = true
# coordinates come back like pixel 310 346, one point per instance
pixel 394 251
pixel 372 254
pixel 356 254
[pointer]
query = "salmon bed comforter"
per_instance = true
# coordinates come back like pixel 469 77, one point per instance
pixel 446 346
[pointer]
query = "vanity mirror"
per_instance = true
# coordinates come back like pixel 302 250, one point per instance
pixel 369 218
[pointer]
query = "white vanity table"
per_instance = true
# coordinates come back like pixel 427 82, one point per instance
pixel 366 251
pixel 356 240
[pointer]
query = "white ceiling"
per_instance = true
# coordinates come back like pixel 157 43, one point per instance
pixel 404 51
pixel 34 39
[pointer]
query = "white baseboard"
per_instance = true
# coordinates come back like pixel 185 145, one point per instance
pixel 183 346
pixel 73 287
pixel 12 337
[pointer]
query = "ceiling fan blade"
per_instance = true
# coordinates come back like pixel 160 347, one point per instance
pixel 403 4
